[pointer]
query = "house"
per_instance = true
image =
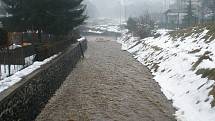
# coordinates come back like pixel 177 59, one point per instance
pixel 178 10
pixel 174 18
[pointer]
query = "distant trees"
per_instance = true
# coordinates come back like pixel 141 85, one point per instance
pixel 141 26
pixel 190 12
pixel 190 18
pixel 211 5
pixel 49 16
pixel 207 10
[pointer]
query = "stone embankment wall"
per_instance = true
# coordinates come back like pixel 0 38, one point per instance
pixel 25 100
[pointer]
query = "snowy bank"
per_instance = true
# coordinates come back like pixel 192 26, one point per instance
pixel 18 76
pixel 102 26
pixel 174 62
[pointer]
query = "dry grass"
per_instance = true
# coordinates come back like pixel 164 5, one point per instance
pixel 155 67
pixel 205 56
pixel 210 36
pixel 210 74
pixel 156 48
pixel 212 92
pixel 194 51
pixel 183 33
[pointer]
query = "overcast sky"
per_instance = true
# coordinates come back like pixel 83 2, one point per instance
pixel 111 8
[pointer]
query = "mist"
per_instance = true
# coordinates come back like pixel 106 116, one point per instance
pixel 111 8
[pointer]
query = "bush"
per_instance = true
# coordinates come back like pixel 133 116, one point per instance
pixel 142 26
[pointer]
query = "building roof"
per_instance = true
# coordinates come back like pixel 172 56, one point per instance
pixel 174 11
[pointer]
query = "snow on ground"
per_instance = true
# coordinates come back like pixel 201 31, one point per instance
pixel 171 61
pixel 14 46
pixel 4 69
pixel 99 29
pixel 96 32
pixel 100 26
pixel 81 39
pixel 9 81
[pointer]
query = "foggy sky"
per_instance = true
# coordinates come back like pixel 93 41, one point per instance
pixel 111 8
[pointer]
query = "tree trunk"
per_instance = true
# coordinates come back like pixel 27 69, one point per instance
pixel 213 9
pixel 213 15
pixel 40 36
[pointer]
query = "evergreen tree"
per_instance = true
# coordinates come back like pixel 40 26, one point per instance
pixel 49 16
pixel 3 38
pixel 131 24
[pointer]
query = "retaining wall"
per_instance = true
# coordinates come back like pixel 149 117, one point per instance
pixel 25 100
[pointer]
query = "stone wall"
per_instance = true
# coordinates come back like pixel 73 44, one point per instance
pixel 25 100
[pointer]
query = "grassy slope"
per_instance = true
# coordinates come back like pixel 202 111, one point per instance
pixel 204 72
pixel 195 30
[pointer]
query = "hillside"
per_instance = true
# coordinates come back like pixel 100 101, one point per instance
pixel 183 63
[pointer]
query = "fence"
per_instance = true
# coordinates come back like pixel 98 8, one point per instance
pixel 25 100
pixel 13 60
pixel 22 49
pixel 46 50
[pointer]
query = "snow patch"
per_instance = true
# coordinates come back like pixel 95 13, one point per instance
pixel 18 76
pixel 173 71
pixel 96 32
pixel 81 39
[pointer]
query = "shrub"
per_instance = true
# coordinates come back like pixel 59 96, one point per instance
pixel 142 26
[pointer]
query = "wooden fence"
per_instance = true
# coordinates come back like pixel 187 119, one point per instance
pixel 13 60
pixel 22 49
pixel 16 56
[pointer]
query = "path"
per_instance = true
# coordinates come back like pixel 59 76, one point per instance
pixel 109 85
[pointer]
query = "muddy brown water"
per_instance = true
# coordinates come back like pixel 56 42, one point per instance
pixel 108 85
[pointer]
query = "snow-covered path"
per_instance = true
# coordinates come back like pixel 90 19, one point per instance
pixel 108 85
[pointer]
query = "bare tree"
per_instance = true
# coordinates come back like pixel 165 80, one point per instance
pixel 141 26
pixel 209 5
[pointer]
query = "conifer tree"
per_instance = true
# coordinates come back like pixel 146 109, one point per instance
pixel 50 16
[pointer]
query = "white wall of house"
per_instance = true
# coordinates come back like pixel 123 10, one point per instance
pixel 175 17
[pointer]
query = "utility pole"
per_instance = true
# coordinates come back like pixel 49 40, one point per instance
pixel 165 5
pixel 167 18
pixel 125 9
pixel 179 4
pixel 120 16
pixel 120 12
